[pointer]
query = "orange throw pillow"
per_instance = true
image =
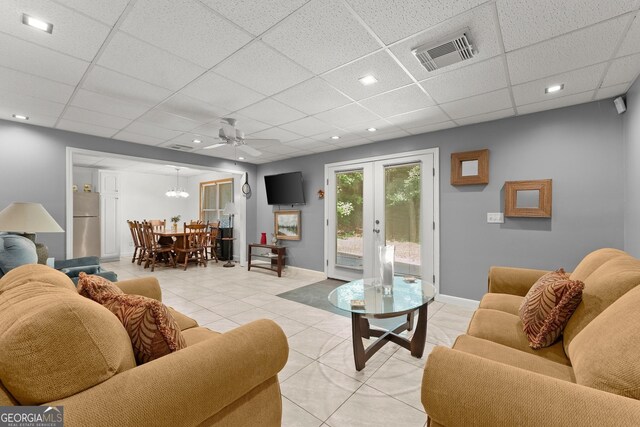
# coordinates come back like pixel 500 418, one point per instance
pixel 151 327
pixel 548 306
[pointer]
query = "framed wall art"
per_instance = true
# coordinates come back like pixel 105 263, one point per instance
pixel 287 225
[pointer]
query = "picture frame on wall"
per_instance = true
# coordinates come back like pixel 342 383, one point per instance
pixel 287 225
pixel 470 167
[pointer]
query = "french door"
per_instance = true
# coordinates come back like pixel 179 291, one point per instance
pixel 382 201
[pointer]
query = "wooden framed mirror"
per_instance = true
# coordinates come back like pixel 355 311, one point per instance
pixel 470 167
pixel 527 198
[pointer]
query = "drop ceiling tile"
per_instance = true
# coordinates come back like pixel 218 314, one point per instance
pixel 35 118
pixel 193 109
pixel 431 128
pixel 630 43
pixel 137 138
pixel 73 33
pixel 574 82
pixel 344 137
pixel 276 71
pixel 474 79
pixel 185 28
pixel 95 118
pixel 305 143
pixel 255 16
pixel 272 112
pixel 501 114
pixel 281 149
pixel 623 70
pixel 352 143
pixel 525 23
pixel 612 91
pixel 398 101
pixel 12 81
pixel 426 116
pixel 217 90
pixel 565 101
pixel 392 20
pixel 275 133
pixel 104 104
pixel 169 121
pixel 33 59
pixel 384 136
pixel 124 88
pixel 479 104
pixel 173 142
pixel 322 35
pixel 147 129
pixel 309 126
pixel 482 26
pixel 107 11
pixel 86 128
pixel 348 115
pixel 143 61
pixel 312 97
pixel 28 106
pixel 322 148
pixel 380 125
pixel 565 52
pixel 380 65
pixel 188 137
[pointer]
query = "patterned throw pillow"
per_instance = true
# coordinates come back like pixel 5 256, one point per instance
pixel 151 327
pixel 96 287
pixel 548 306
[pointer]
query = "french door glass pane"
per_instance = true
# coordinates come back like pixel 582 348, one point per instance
pixel 349 197
pixel 402 216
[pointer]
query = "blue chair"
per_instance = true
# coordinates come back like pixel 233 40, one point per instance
pixel 17 250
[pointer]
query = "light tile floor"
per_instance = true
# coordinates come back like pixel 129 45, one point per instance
pixel 320 386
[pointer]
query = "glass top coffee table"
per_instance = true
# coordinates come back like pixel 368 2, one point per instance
pixel 366 298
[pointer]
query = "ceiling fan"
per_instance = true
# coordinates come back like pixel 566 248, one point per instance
pixel 229 134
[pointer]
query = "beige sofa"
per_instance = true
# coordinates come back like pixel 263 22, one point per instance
pixel 59 348
pixel 590 377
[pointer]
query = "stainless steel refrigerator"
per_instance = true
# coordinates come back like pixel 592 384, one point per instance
pixel 86 224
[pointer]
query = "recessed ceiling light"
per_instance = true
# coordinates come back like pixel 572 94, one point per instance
pixel 368 80
pixel 20 116
pixel 37 23
pixel 372 129
pixel 335 137
pixel 554 88
pixel 240 158
pixel 197 141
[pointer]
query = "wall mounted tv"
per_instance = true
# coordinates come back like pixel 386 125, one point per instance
pixel 284 189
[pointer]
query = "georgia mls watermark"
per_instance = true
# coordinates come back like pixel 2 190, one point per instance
pixel 31 416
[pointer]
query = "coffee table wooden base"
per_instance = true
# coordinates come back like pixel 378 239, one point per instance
pixel 361 329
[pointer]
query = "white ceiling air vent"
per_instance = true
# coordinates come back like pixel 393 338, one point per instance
pixel 448 50
pixel 180 147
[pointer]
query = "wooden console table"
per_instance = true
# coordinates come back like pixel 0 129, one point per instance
pixel 276 256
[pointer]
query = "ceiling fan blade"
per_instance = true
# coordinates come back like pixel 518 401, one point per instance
pixel 270 141
pixel 249 150
pixel 219 144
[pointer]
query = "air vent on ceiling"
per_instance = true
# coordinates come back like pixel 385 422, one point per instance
pixel 446 51
pixel 180 147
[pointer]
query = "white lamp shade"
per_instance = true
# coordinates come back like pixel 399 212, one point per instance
pixel 21 217
pixel 229 209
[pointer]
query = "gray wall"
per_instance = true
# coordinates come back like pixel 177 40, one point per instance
pixel 33 169
pixel 631 120
pixel 580 148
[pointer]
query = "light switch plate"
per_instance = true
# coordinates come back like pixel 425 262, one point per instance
pixel 495 218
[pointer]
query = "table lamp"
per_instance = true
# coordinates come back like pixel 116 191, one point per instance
pixel 230 209
pixel 28 219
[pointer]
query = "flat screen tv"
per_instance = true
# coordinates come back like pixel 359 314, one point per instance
pixel 284 189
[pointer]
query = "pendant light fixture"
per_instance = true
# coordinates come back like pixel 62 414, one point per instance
pixel 177 191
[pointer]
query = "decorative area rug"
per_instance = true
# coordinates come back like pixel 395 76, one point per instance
pixel 316 295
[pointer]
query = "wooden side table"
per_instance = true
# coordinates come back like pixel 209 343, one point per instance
pixel 276 257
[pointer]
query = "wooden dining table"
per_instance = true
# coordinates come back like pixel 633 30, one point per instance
pixel 167 235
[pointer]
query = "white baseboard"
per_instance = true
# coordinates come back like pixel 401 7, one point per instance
pixel 462 302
